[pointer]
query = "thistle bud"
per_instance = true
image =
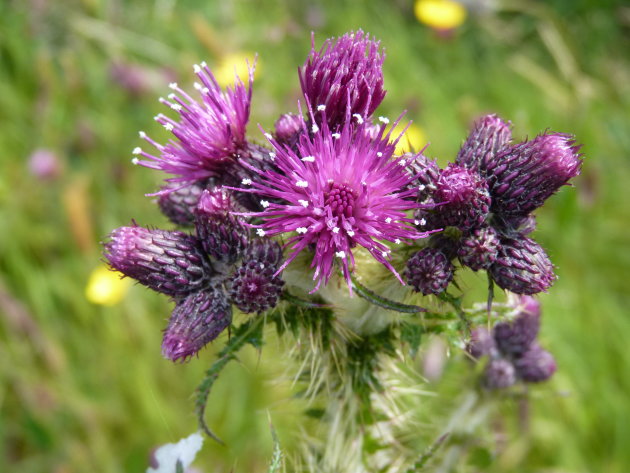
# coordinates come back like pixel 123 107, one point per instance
pixel 499 374
pixel 516 337
pixel 426 173
pixel 222 235
pixel 172 263
pixel 525 175
pixel 479 249
pixel 481 343
pixel 522 266
pixel 196 320
pixel 489 136
pixel 461 197
pixel 254 287
pixel 535 365
pixel 180 201
pixel 429 271
pixel 288 126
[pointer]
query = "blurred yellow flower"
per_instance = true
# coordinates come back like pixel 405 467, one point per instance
pixel 413 140
pixel 106 287
pixel 234 63
pixel 440 14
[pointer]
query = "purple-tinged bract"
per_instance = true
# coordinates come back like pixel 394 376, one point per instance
pixel 208 134
pixel 489 135
pixel 523 176
pixel 481 343
pixel 254 287
pixel 222 235
pixel 288 127
pixel 479 249
pixel 461 197
pixel 196 320
pixel 499 374
pixel 429 271
pixel 522 266
pixel 336 191
pixel 172 263
pixel 178 201
pixel 535 365
pixel 427 173
pixel 346 74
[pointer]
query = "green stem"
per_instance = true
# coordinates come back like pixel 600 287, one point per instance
pixel 456 303
pixel 380 301
pixel 301 302
pixel 428 454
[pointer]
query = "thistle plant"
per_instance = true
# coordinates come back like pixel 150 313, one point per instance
pixel 317 228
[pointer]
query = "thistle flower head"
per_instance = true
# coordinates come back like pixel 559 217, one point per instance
pixel 479 249
pixel 523 176
pixel 516 337
pixel 535 365
pixel 254 287
pixel 222 235
pixel 429 271
pixel 481 343
pixel 336 191
pixel 522 266
pixel 172 263
pixel 196 320
pixel 499 374
pixel 489 135
pixel 207 134
pixel 346 74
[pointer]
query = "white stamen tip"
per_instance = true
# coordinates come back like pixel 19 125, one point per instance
pixel 314 128
pixel 142 134
pixel 402 162
pixel 336 136
pixel 421 187
pixel 397 241
pixel 168 126
pixel 340 254
pixel 172 96
pixel 262 266
pixel 301 230
pixel 308 159
pixel 204 64
pixel 264 203
pixel 303 203
pixel 177 107
pixel 246 182
pixel 135 161
pixel 137 150
pixel 205 90
pixel 384 253
pixel 272 155
pixel 268 136
pixel 261 232
pixel 173 85
pixel 197 86
pixel 350 233
pixel 388 220
pixel 321 108
pixel 335 230
pixel 196 68
pixel 379 154
pixel 359 118
pixel 383 120
pixel 301 184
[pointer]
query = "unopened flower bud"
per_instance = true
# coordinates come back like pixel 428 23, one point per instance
pixel 179 204
pixel 516 337
pixel 499 374
pixel 489 135
pixel 535 365
pixel 288 127
pixel 481 343
pixel 429 271
pixel 479 249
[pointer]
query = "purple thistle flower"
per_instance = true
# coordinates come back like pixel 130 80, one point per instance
pixel 488 137
pixel 179 201
pixel 522 266
pixel 499 374
pixel 461 197
pixel 481 343
pixel 479 249
pixel 196 320
pixel 222 235
pixel 336 191
pixel 523 176
pixel 535 365
pixel 516 337
pixel 209 133
pixel 254 287
pixel 429 271
pixel 346 74
pixel 172 263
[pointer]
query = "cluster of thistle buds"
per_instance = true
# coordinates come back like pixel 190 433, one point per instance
pixel 326 181
pixel 511 349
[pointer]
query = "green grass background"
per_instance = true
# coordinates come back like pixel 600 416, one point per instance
pixel 84 388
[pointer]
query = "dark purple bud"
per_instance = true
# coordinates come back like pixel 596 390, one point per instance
pixel 499 374
pixel 446 243
pixel 461 197
pixel 522 266
pixel 254 286
pixel 525 175
pixel 222 235
pixel 346 74
pixel 479 249
pixel 489 135
pixel 196 320
pixel 172 263
pixel 288 128
pixel 481 343
pixel 535 365
pixel 426 173
pixel 429 271
pixel 180 202
pixel 517 336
